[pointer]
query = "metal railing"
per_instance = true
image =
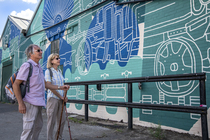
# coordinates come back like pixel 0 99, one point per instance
pixel 129 104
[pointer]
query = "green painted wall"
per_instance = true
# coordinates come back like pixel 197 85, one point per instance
pixel 152 38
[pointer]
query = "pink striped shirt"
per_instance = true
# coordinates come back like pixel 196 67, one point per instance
pixel 37 84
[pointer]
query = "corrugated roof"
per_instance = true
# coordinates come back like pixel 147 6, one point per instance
pixel 20 22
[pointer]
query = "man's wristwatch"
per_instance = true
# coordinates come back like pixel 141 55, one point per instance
pixel 58 87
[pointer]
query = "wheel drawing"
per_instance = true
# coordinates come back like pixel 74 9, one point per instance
pixel 84 57
pixel 177 56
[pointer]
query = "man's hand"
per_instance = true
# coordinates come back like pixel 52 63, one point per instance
pixel 64 99
pixel 65 87
pixel 22 108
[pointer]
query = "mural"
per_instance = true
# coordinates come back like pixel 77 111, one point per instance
pixel 10 33
pixel 107 41
pixel 53 13
pixel 10 39
pixel 94 46
pixel 177 47
pixel 121 34
pixel 171 45
pixel 132 40
pixel 113 35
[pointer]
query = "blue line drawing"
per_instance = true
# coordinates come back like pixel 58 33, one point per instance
pixel 53 13
pixel 113 35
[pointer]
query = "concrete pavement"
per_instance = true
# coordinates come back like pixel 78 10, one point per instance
pixel 94 129
pixel 11 126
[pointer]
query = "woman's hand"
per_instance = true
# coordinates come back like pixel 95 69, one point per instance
pixel 65 87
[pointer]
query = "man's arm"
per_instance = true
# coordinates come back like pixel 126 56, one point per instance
pixel 16 89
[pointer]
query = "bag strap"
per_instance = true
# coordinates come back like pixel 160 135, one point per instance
pixel 51 73
pixel 29 75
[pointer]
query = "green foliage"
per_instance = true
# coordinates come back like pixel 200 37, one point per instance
pixel 75 120
pixel 157 132
pixel 119 130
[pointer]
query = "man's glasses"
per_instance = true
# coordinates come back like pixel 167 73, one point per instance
pixel 39 50
pixel 57 58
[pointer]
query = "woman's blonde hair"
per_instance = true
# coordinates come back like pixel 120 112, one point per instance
pixel 50 58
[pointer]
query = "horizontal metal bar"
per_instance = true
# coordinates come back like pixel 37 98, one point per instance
pixel 177 108
pixel 179 77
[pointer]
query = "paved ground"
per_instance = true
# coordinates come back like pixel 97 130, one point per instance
pixel 94 129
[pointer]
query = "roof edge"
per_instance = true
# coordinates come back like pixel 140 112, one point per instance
pixel 19 17
pixel 15 22
pixel 4 28
pixel 33 16
pixel 9 18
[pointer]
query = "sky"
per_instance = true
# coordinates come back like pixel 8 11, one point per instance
pixel 20 8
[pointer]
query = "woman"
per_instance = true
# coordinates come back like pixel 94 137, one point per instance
pixel 54 97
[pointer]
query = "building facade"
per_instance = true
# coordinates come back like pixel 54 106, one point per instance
pixel 104 39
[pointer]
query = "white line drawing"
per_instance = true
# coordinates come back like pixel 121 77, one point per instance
pixel 194 101
pixel 67 55
pixel 105 94
pixel 104 75
pixel 126 73
pixel 147 99
pixel 177 51
pixel 158 9
pixel 188 50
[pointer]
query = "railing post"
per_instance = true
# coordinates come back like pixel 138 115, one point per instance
pixel 204 124
pixel 130 110
pixel 86 105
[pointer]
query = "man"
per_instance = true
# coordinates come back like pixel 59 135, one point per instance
pixel 31 105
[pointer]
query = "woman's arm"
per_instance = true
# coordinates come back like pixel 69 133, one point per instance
pixel 56 93
pixel 48 85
